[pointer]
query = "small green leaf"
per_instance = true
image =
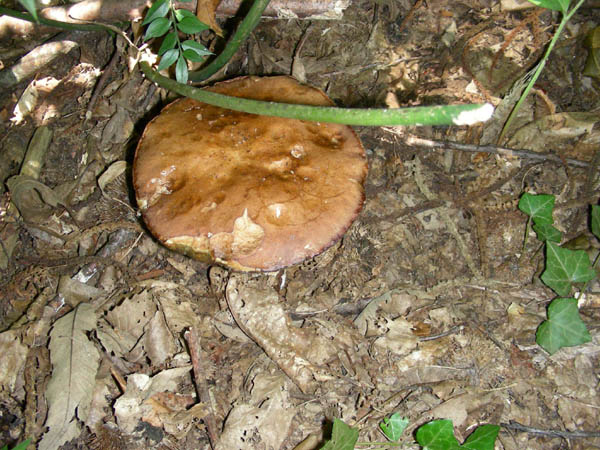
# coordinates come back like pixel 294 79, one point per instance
pixel 546 232
pixel 483 438
pixel 168 43
pixel 394 426
pixel 181 13
pixel 539 207
pixel 181 70
pixel 191 25
pixel 22 446
pixel 437 435
pixel 158 9
pixel 555 5
pixel 29 5
pixel 191 55
pixel 596 221
pixel 196 46
pixel 565 267
pixel 194 51
pixel 168 59
pixel 564 327
pixel 343 437
pixel 157 28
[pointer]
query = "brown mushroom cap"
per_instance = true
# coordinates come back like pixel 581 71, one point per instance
pixel 248 191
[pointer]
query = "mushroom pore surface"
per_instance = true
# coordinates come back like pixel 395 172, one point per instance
pixel 248 191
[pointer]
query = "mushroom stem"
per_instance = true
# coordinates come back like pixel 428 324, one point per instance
pixel 419 115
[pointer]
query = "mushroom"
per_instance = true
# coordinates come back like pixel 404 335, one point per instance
pixel 254 193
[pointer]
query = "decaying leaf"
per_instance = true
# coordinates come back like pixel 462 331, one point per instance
pixel 158 340
pixel 33 199
pixel 297 351
pixel 205 11
pixel 74 365
pixel 14 354
pixel 574 134
pixel 29 99
pixel 119 128
pixel 592 63
pixel 399 339
pixel 74 292
pixel 115 170
pixel 267 416
pixel 135 403
pixel 131 316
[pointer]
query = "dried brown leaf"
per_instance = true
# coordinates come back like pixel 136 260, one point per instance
pixel 75 362
pixel 158 340
pixel 205 11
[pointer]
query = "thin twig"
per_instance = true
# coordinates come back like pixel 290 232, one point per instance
pixel 557 433
pixel 452 330
pixel 200 377
pixel 430 143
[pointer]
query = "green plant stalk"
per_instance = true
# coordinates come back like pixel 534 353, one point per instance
pixel 538 70
pixel 420 115
pixel 53 23
pixel 245 28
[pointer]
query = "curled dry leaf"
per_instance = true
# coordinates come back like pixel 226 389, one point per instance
pixel 33 199
pixel 299 352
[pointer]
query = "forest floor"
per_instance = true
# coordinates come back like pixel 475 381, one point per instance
pixel 428 306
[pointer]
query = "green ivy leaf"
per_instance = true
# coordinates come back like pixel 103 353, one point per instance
pixel 565 267
pixel 555 5
pixel 158 9
pixel 191 25
pixel 181 13
pixel 539 207
pixel 168 43
pixel 483 438
pixel 22 446
pixel 181 70
pixel 394 426
pixel 29 5
pixel 546 232
pixel 168 59
pixel 343 437
pixel 437 435
pixel 564 327
pixel 596 221
pixel 157 28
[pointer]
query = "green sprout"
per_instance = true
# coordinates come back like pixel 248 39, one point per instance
pixel 555 5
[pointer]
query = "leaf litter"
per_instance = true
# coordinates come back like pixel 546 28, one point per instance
pixel 429 305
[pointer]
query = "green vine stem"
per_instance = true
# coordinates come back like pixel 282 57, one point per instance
pixel 420 115
pixel 53 23
pixel 245 28
pixel 538 69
